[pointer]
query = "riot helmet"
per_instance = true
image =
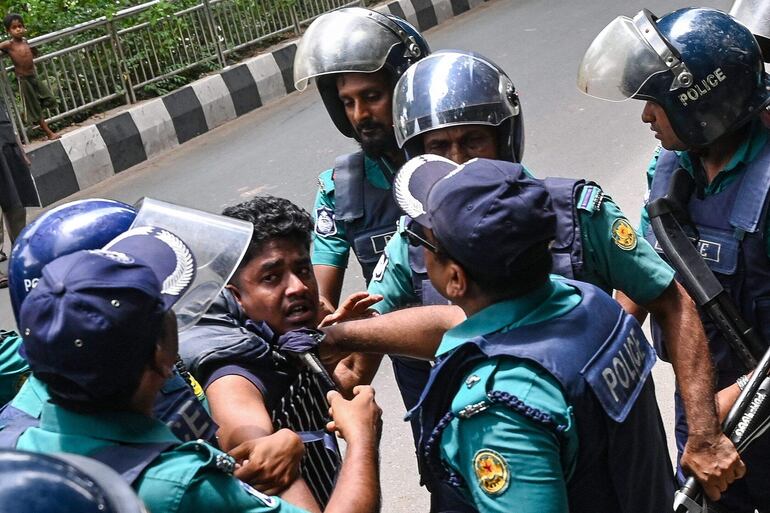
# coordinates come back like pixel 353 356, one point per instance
pixel 62 483
pixel 83 224
pixel 700 65
pixel 354 40
pixel 755 14
pixel 455 87
pixel 217 242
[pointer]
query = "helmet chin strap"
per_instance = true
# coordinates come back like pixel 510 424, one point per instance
pixel 644 22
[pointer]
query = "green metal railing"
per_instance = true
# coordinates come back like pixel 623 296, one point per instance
pixel 90 66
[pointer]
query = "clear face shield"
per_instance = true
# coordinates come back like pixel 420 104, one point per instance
pixel 347 41
pixel 217 242
pixel 449 89
pixel 625 55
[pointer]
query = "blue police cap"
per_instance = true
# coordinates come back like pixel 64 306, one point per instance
pixel 484 213
pixel 91 324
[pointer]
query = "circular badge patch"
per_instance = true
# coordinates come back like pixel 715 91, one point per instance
pixel 491 471
pixel 325 223
pixel 623 235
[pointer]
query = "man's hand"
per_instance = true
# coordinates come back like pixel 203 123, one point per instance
pixel 356 306
pixel 713 461
pixel 358 420
pixel 270 463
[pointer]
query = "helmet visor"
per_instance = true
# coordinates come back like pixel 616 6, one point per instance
pixel 346 41
pixel 448 89
pixel 217 242
pixel 619 62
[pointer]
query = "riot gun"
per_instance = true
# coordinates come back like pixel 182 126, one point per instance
pixel 749 417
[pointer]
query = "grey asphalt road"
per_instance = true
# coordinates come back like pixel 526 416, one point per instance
pixel 281 148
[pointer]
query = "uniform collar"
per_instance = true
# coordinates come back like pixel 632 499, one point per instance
pixel 745 154
pixel 554 299
pixel 113 426
pixel 378 173
pixel 31 396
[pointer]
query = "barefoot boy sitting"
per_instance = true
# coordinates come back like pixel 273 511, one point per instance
pixel 34 92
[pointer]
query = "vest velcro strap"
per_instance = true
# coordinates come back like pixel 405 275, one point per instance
pixel 748 210
pixel 348 184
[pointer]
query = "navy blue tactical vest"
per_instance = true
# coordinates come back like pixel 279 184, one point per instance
pixel 731 225
pixel 368 213
pixel 176 406
pixel 602 360
pixel 566 250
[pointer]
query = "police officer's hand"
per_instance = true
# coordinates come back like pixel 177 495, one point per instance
pixel 356 306
pixel 713 461
pixel 270 463
pixel 358 420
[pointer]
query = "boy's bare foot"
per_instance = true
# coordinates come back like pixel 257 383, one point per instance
pixel 53 136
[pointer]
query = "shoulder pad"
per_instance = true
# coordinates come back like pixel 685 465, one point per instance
pixel 326 181
pixel 590 198
pixel 471 397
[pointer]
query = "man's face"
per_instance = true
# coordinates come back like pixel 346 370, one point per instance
pixel 16 30
pixel 462 143
pixel 278 286
pixel 367 101
pixel 659 123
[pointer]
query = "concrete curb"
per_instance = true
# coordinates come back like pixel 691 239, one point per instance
pixel 94 153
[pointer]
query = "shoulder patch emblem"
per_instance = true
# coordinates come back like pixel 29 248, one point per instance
pixel 261 497
pixel 623 235
pixel 325 224
pixel 379 271
pixel 491 471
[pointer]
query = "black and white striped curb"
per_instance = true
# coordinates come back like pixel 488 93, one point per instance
pixel 94 153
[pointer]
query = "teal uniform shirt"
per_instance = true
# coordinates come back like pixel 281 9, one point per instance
pixel 329 245
pixel 534 463
pixel 190 477
pixel 33 394
pixel 743 156
pixel 13 367
pixel 31 397
pixel 611 259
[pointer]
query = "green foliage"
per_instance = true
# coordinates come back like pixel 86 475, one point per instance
pixel 155 51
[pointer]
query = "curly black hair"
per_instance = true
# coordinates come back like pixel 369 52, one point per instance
pixel 10 18
pixel 273 218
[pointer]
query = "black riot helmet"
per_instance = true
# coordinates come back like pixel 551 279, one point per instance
pixel 62 483
pixel 700 65
pixel 354 40
pixel 452 88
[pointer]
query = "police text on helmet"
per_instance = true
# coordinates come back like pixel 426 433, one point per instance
pixel 705 86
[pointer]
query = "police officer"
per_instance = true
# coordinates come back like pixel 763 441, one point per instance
pixel 703 97
pixel 78 225
pixel 356 55
pixel 541 400
pixel 100 333
pixel 65 483
pixel 90 224
pixel 594 241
